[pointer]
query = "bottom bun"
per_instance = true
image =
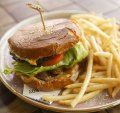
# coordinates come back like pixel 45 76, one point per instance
pixel 57 82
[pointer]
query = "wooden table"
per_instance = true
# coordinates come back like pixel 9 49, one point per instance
pixel 13 11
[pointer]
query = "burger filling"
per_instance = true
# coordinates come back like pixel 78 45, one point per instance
pixel 60 61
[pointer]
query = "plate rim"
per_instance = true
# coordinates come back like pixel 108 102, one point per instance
pixel 39 104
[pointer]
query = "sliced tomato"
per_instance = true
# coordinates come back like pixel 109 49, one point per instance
pixel 54 60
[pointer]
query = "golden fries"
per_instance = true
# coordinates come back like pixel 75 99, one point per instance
pixel 77 85
pixel 106 80
pixel 94 88
pixel 102 38
pixel 117 74
pixel 86 97
pixel 91 25
pixel 57 98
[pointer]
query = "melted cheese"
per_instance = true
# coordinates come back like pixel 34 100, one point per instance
pixel 32 62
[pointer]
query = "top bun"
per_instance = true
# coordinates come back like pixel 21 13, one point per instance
pixel 32 42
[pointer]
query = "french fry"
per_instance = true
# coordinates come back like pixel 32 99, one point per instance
pixel 109 68
pixel 103 54
pixel 86 81
pixel 96 47
pixel 99 74
pixel 61 97
pixel 115 43
pixel 98 40
pixel 99 87
pixel 66 91
pixel 95 87
pixel 77 85
pixel 116 55
pixel 116 70
pixel 104 24
pixel 94 43
pixel 106 28
pixel 105 80
pixel 117 73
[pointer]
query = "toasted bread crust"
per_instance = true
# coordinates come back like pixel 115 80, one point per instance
pixel 54 84
pixel 32 43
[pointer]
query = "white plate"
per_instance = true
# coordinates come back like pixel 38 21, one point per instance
pixel 16 86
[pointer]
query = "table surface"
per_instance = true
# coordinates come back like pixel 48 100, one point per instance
pixel 14 11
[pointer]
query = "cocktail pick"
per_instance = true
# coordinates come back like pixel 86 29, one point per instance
pixel 38 8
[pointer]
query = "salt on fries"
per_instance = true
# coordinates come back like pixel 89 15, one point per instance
pixel 102 38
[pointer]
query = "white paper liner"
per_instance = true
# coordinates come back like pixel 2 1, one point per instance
pixel 37 95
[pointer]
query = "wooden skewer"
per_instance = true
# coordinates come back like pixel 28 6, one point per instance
pixel 38 8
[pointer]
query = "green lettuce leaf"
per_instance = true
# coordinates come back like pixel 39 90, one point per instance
pixel 71 57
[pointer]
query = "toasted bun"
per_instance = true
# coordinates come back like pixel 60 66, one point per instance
pixel 56 83
pixel 32 42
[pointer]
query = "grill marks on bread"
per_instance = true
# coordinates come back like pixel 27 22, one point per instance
pixel 31 39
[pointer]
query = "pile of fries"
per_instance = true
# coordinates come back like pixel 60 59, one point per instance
pixel 102 38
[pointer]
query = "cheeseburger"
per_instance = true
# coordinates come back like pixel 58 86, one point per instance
pixel 47 60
